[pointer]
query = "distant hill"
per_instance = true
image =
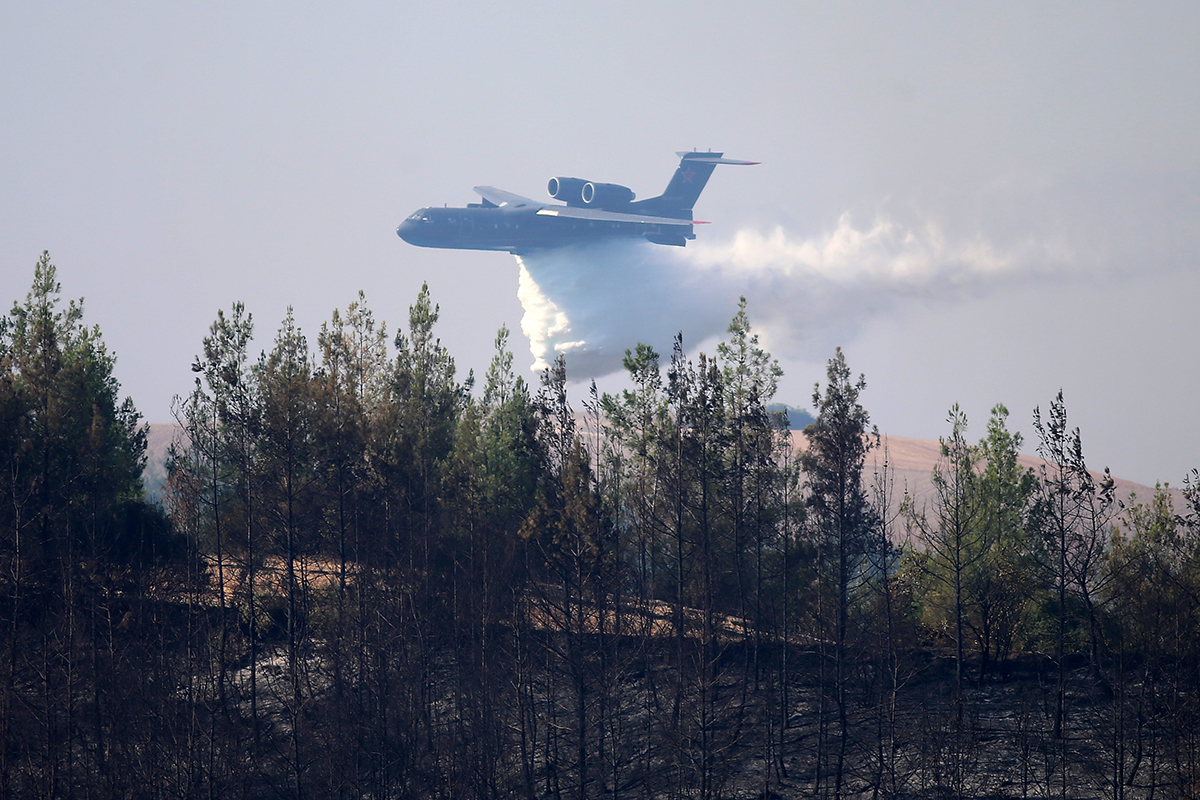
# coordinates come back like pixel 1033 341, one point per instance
pixel 158 439
pixel 911 462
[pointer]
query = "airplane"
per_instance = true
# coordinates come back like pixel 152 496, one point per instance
pixel 593 212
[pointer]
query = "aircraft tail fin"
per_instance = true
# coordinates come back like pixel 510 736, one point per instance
pixel 688 182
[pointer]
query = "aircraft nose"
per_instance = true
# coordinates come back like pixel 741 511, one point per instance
pixel 406 230
pixel 415 229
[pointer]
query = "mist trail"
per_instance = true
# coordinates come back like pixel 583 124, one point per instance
pixel 593 302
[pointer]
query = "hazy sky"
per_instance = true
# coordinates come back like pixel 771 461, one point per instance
pixel 980 204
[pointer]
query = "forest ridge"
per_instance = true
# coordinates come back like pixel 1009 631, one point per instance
pixel 370 577
pixel 910 461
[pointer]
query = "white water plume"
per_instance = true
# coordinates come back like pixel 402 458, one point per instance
pixel 591 303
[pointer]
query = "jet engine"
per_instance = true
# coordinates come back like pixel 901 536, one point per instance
pixel 605 195
pixel 568 190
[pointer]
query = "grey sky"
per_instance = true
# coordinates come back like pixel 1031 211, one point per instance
pixel 177 157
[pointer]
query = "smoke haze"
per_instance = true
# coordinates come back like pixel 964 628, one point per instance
pixel 591 303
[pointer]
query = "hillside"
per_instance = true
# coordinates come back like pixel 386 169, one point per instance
pixel 566 683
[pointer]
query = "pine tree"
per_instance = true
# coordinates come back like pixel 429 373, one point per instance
pixel 79 548
pixel 1073 513
pixel 843 524
pixel 1003 582
pixel 285 462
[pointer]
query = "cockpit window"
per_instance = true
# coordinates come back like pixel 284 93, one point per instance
pixel 419 216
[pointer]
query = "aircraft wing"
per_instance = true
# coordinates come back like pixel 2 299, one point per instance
pixel 611 216
pixel 704 158
pixel 505 199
